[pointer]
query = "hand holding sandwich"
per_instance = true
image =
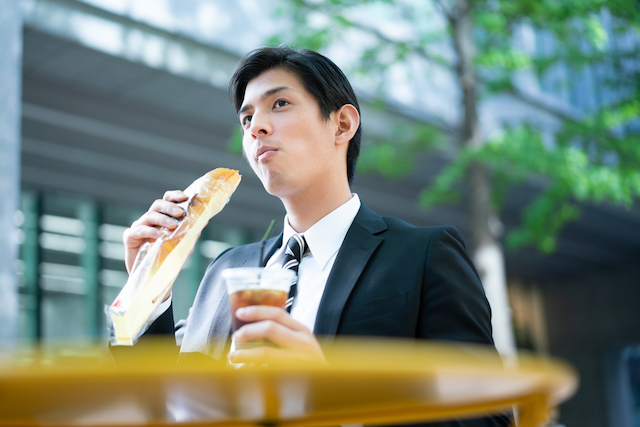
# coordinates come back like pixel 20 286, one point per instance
pixel 163 213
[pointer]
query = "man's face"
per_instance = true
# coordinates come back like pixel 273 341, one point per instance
pixel 287 141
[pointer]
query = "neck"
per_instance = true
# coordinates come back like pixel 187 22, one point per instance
pixel 304 211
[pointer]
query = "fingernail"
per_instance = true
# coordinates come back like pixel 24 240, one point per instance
pixel 241 312
pixel 177 211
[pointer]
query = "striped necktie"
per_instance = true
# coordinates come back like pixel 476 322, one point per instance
pixel 296 248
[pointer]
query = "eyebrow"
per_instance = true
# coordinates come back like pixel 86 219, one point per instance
pixel 264 96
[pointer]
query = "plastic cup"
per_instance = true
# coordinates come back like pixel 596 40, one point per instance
pixel 256 286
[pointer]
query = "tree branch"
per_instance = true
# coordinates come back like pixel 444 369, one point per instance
pixel 443 9
pixel 531 100
pixel 417 49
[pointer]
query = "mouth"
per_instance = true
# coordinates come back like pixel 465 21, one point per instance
pixel 265 152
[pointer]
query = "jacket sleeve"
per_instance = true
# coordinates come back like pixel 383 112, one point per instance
pixel 454 306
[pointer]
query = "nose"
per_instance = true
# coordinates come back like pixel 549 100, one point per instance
pixel 260 125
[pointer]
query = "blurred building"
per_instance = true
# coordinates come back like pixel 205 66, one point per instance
pixel 122 100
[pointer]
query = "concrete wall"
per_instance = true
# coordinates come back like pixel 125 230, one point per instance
pixel 10 76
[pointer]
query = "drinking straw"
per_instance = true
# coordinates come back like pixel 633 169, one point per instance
pixel 264 241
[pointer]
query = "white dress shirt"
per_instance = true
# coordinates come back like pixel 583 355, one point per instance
pixel 324 239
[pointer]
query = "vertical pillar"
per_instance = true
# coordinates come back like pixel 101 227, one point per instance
pixel 10 112
pixel 90 216
pixel 31 256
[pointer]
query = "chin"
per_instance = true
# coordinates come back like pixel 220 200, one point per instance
pixel 272 183
pixel 278 187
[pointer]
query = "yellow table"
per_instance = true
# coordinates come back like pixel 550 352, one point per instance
pixel 369 382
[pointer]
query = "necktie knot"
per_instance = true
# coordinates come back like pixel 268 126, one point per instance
pixel 295 250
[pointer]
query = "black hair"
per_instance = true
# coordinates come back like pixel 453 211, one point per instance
pixel 319 75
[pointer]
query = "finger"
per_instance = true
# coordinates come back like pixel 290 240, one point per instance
pixel 139 233
pixel 275 355
pixel 256 313
pixel 302 342
pixel 274 332
pixel 175 196
pixel 155 219
pixel 270 355
pixel 133 238
pixel 167 208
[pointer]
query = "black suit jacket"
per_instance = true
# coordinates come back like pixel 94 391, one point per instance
pixel 389 279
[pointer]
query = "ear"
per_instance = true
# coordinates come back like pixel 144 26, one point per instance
pixel 347 121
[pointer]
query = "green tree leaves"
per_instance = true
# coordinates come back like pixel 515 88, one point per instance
pixel 394 158
pixel 591 159
pixel 571 179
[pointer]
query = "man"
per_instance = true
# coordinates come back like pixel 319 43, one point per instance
pixel 363 274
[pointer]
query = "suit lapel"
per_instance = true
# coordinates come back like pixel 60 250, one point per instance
pixel 269 249
pixel 356 250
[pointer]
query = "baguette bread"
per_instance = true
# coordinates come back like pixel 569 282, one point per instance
pixel 158 264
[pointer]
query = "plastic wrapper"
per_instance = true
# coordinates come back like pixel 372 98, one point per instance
pixel 158 264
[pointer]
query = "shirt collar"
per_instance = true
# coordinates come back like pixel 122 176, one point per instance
pixel 325 237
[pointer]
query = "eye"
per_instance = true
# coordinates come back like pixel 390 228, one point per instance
pixel 281 103
pixel 246 119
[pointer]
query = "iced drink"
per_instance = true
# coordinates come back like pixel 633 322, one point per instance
pixel 247 297
pixel 256 286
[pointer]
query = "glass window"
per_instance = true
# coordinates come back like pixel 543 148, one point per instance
pixel 72 264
